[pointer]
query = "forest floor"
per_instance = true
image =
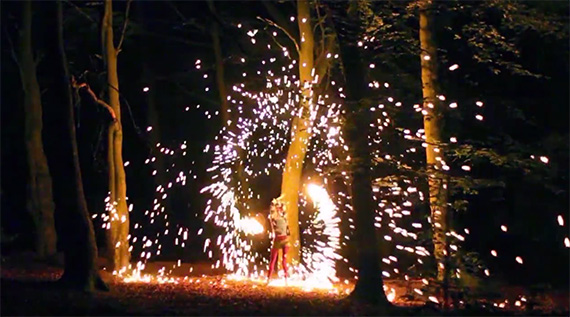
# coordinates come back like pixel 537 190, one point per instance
pixel 29 288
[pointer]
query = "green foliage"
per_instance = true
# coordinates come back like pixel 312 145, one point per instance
pixel 491 43
pixel 460 204
pixel 492 31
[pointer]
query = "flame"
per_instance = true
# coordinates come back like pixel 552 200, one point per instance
pixel 390 293
pixel 321 264
pixel 306 283
pixel 250 226
pixel 317 193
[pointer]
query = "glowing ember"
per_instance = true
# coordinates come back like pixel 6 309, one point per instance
pixel 295 280
pixel 390 293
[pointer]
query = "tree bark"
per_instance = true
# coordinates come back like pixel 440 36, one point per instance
pixel 39 202
pixel 369 286
pixel 300 130
pixel 117 237
pixel 432 126
pixel 78 236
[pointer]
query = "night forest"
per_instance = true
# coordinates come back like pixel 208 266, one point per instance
pixel 301 157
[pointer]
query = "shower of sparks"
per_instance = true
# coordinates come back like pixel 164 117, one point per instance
pixel 258 142
pixel 255 140
pixel 321 263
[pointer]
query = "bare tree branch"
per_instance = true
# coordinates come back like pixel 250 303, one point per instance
pixel 102 103
pixel 322 63
pixel 186 21
pixel 278 17
pixel 81 11
pixel 12 49
pixel 39 58
pixel 180 15
pixel 279 44
pixel 284 31
pixel 124 26
pixel 321 21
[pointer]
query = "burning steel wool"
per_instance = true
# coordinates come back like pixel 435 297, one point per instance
pixel 254 143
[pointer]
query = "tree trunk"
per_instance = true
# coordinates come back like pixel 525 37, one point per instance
pixel 117 237
pixel 153 119
pixel 300 130
pixel 39 202
pixel 432 126
pixel 215 35
pixel 239 179
pixel 369 286
pixel 78 235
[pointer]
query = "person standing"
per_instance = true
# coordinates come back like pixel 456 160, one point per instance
pixel 280 232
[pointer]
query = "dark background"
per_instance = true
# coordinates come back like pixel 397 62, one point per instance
pixel 163 42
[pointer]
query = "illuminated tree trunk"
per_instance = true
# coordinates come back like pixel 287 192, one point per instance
pixel 39 201
pixel 117 237
pixel 300 130
pixel 77 233
pixel 370 285
pixel 432 126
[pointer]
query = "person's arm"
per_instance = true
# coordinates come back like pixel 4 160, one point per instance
pixel 271 224
pixel 286 222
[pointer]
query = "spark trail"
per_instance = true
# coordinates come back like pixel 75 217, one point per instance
pixel 264 105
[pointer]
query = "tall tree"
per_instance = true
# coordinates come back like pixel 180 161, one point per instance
pixel 153 119
pixel 433 121
pixel 314 64
pixel 485 39
pixel 215 35
pixel 153 115
pixel 39 201
pixel 301 128
pixel 348 22
pixel 77 233
pixel 229 118
pixel 117 239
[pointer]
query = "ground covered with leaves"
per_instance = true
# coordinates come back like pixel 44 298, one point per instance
pixel 30 289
